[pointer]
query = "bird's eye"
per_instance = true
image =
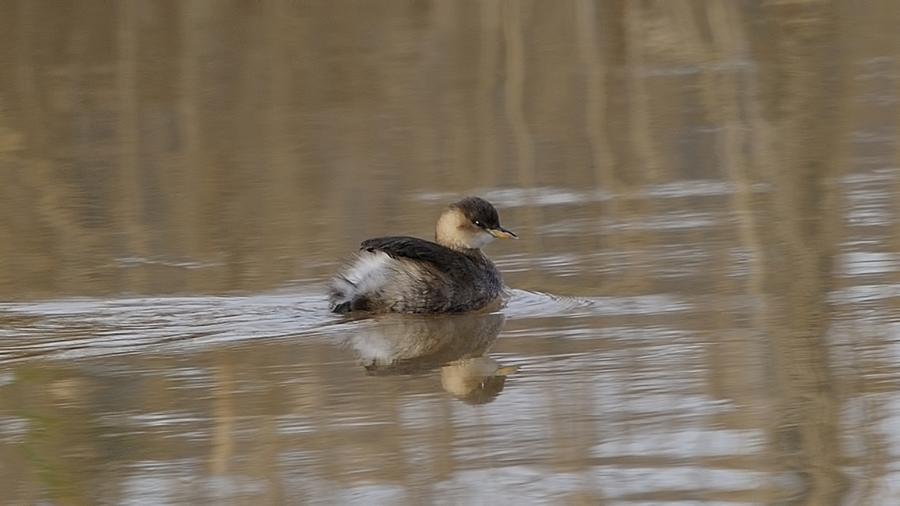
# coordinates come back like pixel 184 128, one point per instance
pixel 479 224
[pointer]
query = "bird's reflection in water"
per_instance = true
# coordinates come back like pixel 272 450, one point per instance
pixel 411 344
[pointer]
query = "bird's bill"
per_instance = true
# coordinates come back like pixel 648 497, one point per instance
pixel 502 233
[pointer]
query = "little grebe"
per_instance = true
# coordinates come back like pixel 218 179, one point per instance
pixel 410 275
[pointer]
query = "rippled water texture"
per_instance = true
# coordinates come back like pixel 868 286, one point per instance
pixel 703 302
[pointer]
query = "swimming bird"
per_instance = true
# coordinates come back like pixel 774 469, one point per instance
pixel 401 274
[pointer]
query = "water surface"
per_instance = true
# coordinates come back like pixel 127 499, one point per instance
pixel 703 300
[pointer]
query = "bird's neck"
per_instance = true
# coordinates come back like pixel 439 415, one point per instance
pixel 447 231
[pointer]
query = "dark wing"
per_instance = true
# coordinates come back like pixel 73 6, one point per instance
pixel 417 249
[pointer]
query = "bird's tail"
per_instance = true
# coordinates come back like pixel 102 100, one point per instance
pixel 341 295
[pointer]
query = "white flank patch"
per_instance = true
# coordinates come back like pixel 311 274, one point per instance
pixel 369 273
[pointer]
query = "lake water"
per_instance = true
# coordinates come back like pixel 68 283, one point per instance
pixel 704 297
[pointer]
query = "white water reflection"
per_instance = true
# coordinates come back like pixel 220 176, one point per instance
pixel 686 443
pixel 553 196
pixel 870 263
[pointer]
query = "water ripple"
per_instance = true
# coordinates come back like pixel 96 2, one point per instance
pixel 527 304
pixel 76 328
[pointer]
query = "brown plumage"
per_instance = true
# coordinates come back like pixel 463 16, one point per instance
pixel 410 275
